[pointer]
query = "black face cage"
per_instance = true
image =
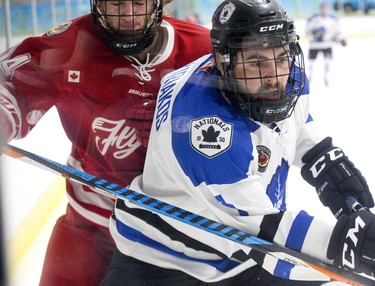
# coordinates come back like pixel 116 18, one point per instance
pixel 274 100
pixel 126 41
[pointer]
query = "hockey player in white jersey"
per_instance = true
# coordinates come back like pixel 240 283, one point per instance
pixel 226 130
pixel 323 31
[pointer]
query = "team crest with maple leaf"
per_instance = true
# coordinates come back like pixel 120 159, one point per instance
pixel 210 136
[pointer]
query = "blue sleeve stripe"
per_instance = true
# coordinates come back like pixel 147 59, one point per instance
pixel 298 231
pixel 224 203
pixel 223 265
pixel 283 269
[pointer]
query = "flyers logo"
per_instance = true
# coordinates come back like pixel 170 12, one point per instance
pixel 114 137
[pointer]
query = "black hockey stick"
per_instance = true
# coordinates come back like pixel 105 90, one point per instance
pixel 269 250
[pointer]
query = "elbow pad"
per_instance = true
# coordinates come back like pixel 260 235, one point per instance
pixel 335 178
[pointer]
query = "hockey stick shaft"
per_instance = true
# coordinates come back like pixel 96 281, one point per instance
pixel 114 190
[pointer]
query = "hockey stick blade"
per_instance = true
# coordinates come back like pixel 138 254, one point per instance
pixel 290 258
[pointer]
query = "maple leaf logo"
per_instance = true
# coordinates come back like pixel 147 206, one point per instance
pixel 74 76
pixel 210 135
pixel 227 12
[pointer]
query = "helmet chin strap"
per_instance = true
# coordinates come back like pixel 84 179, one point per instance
pixel 155 48
pixel 152 17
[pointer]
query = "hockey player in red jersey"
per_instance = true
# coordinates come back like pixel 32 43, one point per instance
pixel 103 79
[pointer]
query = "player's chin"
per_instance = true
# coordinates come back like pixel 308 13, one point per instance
pixel 270 96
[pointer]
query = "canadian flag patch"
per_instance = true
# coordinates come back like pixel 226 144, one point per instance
pixel 74 76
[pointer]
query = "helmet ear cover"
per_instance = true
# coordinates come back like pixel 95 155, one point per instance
pixel 126 44
pixel 239 25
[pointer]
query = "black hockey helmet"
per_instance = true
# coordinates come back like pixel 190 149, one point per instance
pixel 125 42
pixel 239 25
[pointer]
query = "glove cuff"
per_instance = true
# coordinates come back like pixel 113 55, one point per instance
pixel 317 150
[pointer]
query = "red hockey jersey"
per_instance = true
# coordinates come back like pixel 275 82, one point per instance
pixel 71 68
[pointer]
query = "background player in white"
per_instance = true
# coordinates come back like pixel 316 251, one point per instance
pixel 103 80
pixel 323 31
pixel 227 129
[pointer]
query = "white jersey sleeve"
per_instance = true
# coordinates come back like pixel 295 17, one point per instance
pixel 205 157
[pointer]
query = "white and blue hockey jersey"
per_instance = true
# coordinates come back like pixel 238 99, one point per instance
pixel 205 157
pixel 323 31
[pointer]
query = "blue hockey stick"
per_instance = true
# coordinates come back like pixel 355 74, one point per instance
pixel 287 258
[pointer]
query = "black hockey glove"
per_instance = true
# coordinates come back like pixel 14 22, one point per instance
pixel 343 42
pixel 352 244
pixel 335 178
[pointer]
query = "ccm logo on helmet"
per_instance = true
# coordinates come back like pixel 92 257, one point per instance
pixel 126 46
pixel 277 111
pixel 271 28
